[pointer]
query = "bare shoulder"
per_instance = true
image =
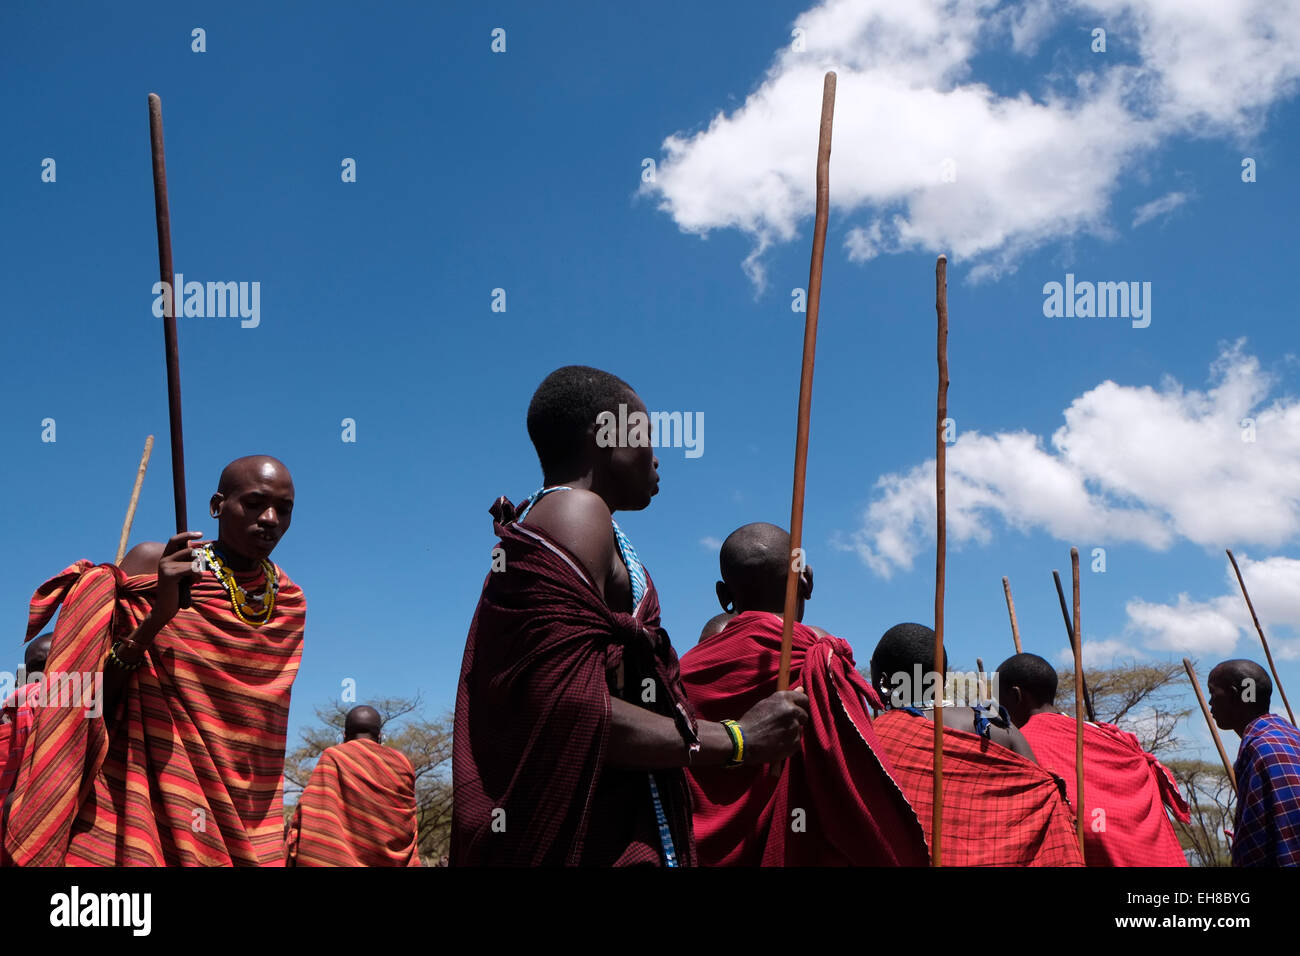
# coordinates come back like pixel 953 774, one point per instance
pixel 819 631
pixel 580 521
pixel 1011 738
pixel 143 558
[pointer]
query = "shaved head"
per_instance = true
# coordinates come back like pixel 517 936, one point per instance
pixel 244 471
pixel 362 721
pixel 38 652
pixel 754 562
pixel 253 506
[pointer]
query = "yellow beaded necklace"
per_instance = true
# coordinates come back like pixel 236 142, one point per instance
pixel 240 600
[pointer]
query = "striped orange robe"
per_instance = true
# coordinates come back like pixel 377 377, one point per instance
pixel 358 809
pixel 189 770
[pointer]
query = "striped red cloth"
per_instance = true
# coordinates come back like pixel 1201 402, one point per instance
pixel 835 803
pixel 15 728
pixel 190 769
pixel 999 809
pixel 543 657
pixel 1125 788
pixel 358 809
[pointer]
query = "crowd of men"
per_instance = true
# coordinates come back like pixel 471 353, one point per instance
pixel 580 737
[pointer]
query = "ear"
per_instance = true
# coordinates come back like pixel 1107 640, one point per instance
pixel 215 503
pixel 806 582
pixel 725 599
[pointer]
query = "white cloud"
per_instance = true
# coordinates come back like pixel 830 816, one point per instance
pixel 1132 464
pixel 1031 165
pixel 1216 627
pixel 712 544
pixel 1157 207
pixel 1098 653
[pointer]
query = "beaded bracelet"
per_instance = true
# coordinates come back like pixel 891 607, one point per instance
pixel 737 744
pixel 117 661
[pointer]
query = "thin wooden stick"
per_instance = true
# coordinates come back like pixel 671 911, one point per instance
pixel 941 549
pixel 806 379
pixel 162 215
pixel 135 498
pixel 1070 632
pixel 1214 731
pixel 1277 681
pixel 1011 609
pixel 1078 699
pixel 979 680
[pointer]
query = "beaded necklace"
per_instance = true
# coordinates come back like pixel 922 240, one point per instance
pixel 240 600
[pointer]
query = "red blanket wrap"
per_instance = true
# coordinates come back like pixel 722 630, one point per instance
pixel 835 803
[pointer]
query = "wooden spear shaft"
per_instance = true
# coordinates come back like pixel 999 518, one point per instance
pixel 1277 681
pixel 1078 700
pixel 1011 609
pixel 1209 721
pixel 1070 631
pixel 162 215
pixel 941 548
pixel 135 499
pixel 806 380
pixel 979 680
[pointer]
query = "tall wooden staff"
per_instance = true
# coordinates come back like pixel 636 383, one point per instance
pixel 941 550
pixel 135 499
pixel 1070 631
pixel 1078 699
pixel 170 296
pixel 1277 681
pixel 1214 731
pixel 1011 609
pixel 806 380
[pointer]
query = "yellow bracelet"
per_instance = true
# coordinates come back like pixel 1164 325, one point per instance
pixel 117 661
pixel 737 744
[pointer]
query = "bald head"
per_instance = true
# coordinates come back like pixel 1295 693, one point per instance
pixel 253 506
pixel 1240 691
pixel 363 721
pixel 37 653
pixel 754 561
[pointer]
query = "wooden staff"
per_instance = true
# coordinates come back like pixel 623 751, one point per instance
pixel 806 381
pixel 979 680
pixel 1277 681
pixel 171 294
pixel 1209 721
pixel 1069 630
pixel 1078 699
pixel 1011 609
pixel 941 549
pixel 135 498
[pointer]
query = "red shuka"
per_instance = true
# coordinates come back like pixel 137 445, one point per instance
pixel 835 803
pixel 1126 790
pixel 358 809
pixel 189 771
pixel 544 655
pixel 999 809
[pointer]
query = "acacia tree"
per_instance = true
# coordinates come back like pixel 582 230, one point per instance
pixel 1209 791
pixel 426 743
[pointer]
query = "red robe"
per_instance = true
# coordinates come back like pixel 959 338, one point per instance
pixel 529 758
pixel 189 771
pixel 358 809
pixel 999 809
pixel 15 728
pixel 835 803
pixel 1130 787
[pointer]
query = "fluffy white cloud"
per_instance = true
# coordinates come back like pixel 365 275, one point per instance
pixel 934 159
pixel 1132 464
pixel 1098 653
pixel 1216 626
pixel 1157 208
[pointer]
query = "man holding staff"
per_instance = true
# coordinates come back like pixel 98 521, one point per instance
pixel 1267 827
pixel 185 766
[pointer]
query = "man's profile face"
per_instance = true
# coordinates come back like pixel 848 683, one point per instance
pixel 256 511
pixel 1223 702
pixel 635 469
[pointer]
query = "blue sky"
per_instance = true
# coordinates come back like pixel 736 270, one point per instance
pixel 522 170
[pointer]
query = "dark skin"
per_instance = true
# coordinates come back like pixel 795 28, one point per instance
pixel 253 506
pixel 362 723
pixel 605 480
pixel 1022 704
pixel 37 653
pixel 1227 704
pixel 716 624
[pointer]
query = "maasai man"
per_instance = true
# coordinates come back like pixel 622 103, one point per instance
pixel 186 764
pixel 1267 827
pixel 16 725
pixel 834 802
pixel 1126 789
pixel 358 808
pixel 999 807
pixel 572 728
